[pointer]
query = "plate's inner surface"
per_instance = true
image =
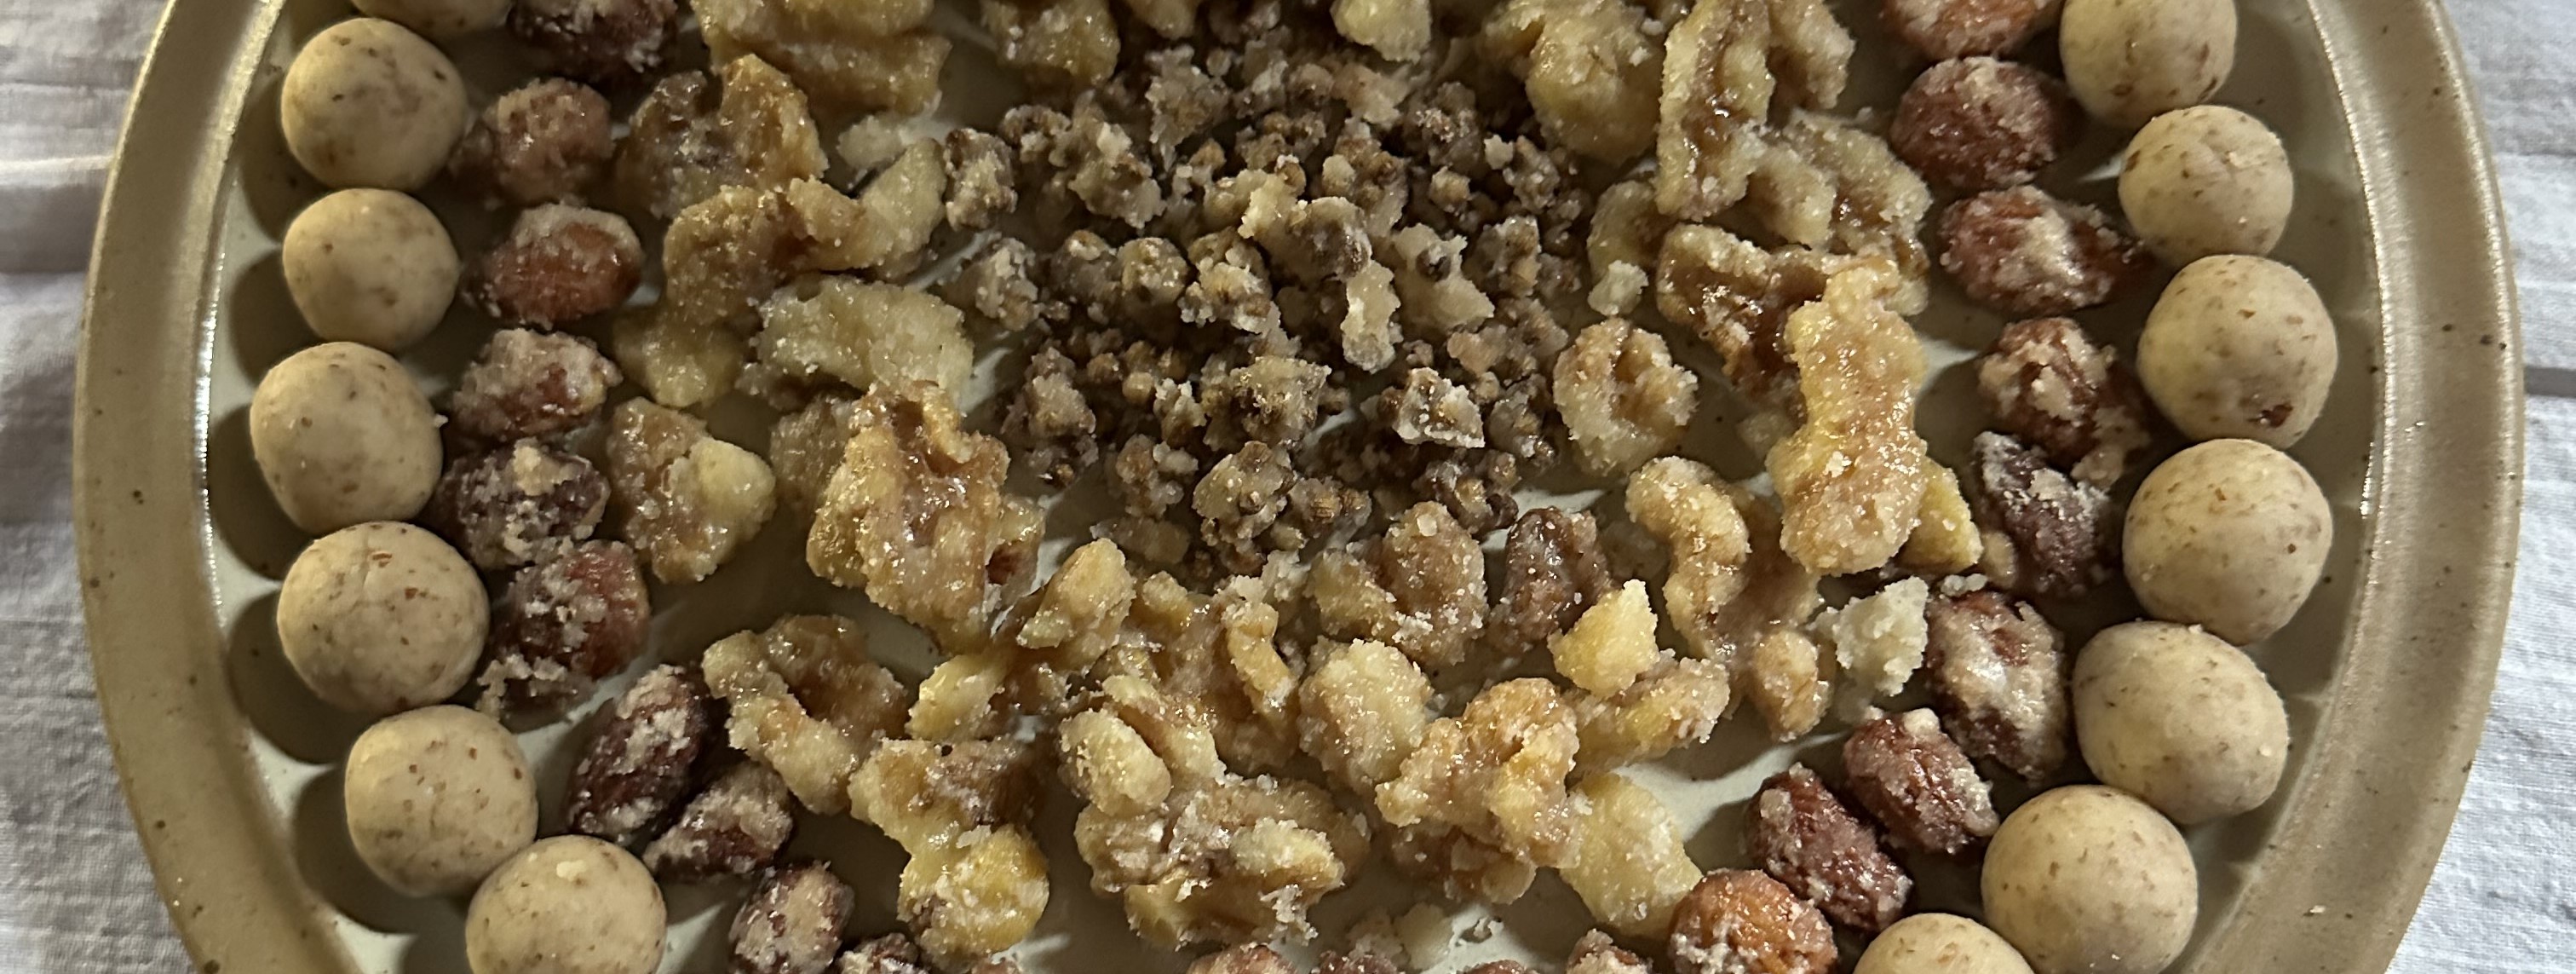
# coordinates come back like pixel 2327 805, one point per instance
pixel 2281 76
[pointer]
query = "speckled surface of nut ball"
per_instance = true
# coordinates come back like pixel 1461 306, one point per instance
pixel 2090 880
pixel 368 103
pixel 371 266
pixel 2229 535
pixel 438 19
pixel 2207 180
pixel 436 798
pixel 2239 347
pixel 2180 719
pixel 381 617
pixel 343 436
pixel 567 905
pixel 2132 60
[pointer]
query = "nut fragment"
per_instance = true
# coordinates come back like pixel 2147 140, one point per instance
pixel 1067 45
pixel 1914 780
pixel 863 333
pixel 561 626
pixel 1944 29
pixel 1878 644
pixel 1683 504
pixel 1420 588
pixel 686 499
pixel 1400 30
pixel 1978 123
pixel 1718 91
pixel 1851 478
pixel 1242 959
pixel 2051 385
pixel 1553 569
pixel 1628 864
pixel 522 503
pixel 1675 703
pixel 893 953
pixel 792 922
pixel 546 141
pixel 870 56
pixel 1592 72
pixel 600 41
pixel 684 142
pixel 528 383
pixel 1611 644
pixel 2046 534
pixel 1492 777
pixel 2024 252
pixel 1741 921
pixel 558 265
pixel 635 769
pixel 806 700
pixel 1624 399
pixel 734 828
pixel 1596 953
pixel 1804 837
pixel 1998 672
pixel 1737 296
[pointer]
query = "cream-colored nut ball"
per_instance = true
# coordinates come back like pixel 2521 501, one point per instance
pixel 2206 180
pixel 567 905
pixel 2229 535
pixel 368 103
pixel 2179 718
pixel 2131 60
pixel 343 437
pixel 2239 346
pixel 436 798
pixel 2089 880
pixel 439 19
pixel 371 266
pixel 1940 943
pixel 382 617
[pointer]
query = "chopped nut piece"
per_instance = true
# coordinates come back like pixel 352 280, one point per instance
pixel 600 41
pixel 1109 765
pixel 1611 644
pixel 635 769
pixel 1432 409
pixel 1239 500
pixel 546 141
pixel 1737 297
pixel 1946 29
pixel 874 142
pixel 2052 385
pixel 805 446
pixel 562 625
pixel 1978 123
pixel 976 882
pixel 1226 859
pixel 1592 72
pixel 792 922
pixel 1915 781
pixel 1998 675
pixel 1716 93
pixel 1242 959
pixel 961 699
pixel 1626 237
pixel 1945 538
pixel 530 383
pixel 1494 776
pixel 733 828
pixel 724 254
pixel 679 148
pixel 558 265
pixel 1595 953
pixel 1360 713
pixel 1420 588
pixel 897 213
pixel 1399 30
pixel 1079 614
pixel 1827 184
pixel 807 701
pixel 1435 295
pixel 1682 503
pixel 1851 479
pixel 1220 658
pixel 1674 703
pixel 867 56
pixel 923 793
pixel 1785 678
pixel 916 517
pixel 1553 570
pixel 1368 330
pixel 1878 643
pixel 1063 44
pixel 1737 920
pixel 688 500
pixel 1173 19
pixel 862 334
pixel 893 953
pixel 2046 534
pixel 997 284
pixel 982 183
pixel 679 364
pixel 1623 397
pixel 519 504
pixel 1628 863
pixel 1804 837
pixel 2024 252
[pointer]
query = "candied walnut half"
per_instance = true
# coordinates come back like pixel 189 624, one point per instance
pixel 1419 588
pixel 1069 45
pixel 1684 504
pixel 559 264
pixel 680 364
pixel 687 499
pixel 1737 921
pixel 862 333
pixel 2023 252
pixel 1624 399
pixel 1878 644
pixel 806 700
pixel 635 769
pixel 860 56
pixel 1737 296
pixel 916 517
pixel 1978 123
pixel 1219 657
pixel 684 141
pixel 2046 533
pixel 1398 30
pixel 792 922
pixel 1224 859
pixel 546 141
pixel 522 503
pixel 1495 776
pixel 561 625
pixel 1628 864
pixel 1672 704
pixel 1111 766
pixel 1998 674
pixel 2050 384
pixel 805 446
pixel 1360 712
pixel 976 883
pixel 600 41
pixel 1851 478
pixel 1553 569
pixel 1828 184
pixel 1916 782
pixel 530 383
pixel 1724 65
pixel 1082 610
pixel 1592 71
pixel 734 828
pixel 1804 837
pixel 1944 29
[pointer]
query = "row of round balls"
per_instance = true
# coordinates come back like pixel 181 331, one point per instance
pixel 2223 542
pixel 378 616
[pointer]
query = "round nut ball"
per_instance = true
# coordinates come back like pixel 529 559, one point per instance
pixel 436 798
pixel 568 905
pixel 2179 718
pixel 439 19
pixel 2132 60
pixel 367 103
pixel 2089 880
pixel 371 266
pixel 343 437
pixel 2206 180
pixel 2239 346
pixel 2229 535
pixel 382 617
pixel 1939 943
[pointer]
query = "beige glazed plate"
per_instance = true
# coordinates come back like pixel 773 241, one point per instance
pixel 230 765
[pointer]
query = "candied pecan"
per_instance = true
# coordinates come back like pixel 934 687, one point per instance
pixel 1737 920
pixel 546 141
pixel 563 624
pixel 2048 383
pixel 1978 123
pixel 1227 859
pixel 1553 569
pixel 1242 959
pixel 734 828
pixel 982 179
pixel 519 504
pixel 690 500
pixel 1851 478
pixel 1915 781
pixel 679 363
pixel 558 265
pixel 2046 534
pixel 1998 675
pixel 529 383
pixel 1945 29
pixel 1624 399
pixel 604 42
pixel 804 698
pixel 635 769
pixel 1596 953
pixel 1804 837
pixel 792 922
pixel 893 953
pixel 2024 252
pixel 1628 864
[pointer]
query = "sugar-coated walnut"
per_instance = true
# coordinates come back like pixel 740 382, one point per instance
pixel 734 828
pixel 1224 859
pixel 1628 864
pixel 1611 644
pixel 1945 538
pixel 1070 45
pixel 1878 644
pixel 1624 399
pixel 865 56
pixel 1724 65
pixel 634 771
pixel 1081 611
pixel 2050 384
pixel 529 383
pixel 1399 30
pixel 1944 29
pixel 1592 72
pixel 1434 296
pixel 1914 780
pixel 2046 533
pixel 1828 184
pixel 723 255
pixel 1219 657
pixel 1626 236
pixel 1110 766
pixel 899 211
pixel 862 333
pixel 791 924
pixel 558 265
pixel 1495 776
pixel 2023 252
pixel 998 284
pixel 983 182
pixel 924 793
pixel 546 141
pixel 1553 569
pixel 916 517
pixel 685 141
pixel 563 624
pixel 1978 123
pixel 1361 710
pixel 599 41
pixel 806 700
pixel 1431 409
pixel 1803 836
pixel 522 503
pixel 1738 921
pixel 1998 672
pixel 1684 504
pixel 1672 704
pixel 1737 296
pixel 679 363
pixel 1420 588
pixel 1596 953
pixel 688 501
pixel 1786 677
pixel 1851 478
pixel 805 446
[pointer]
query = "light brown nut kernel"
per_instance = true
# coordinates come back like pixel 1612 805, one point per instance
pixel 1225 858
pixel 1851 478
pixel 1070 45
pixel 1945 538
pixel 546 141
pixel 522 503
pixel 893 953
pixel 1624 399
pixel 529 383
pixel 1592 72
pixel 1977 123
pixel 1918 785
pixel 792 922
pixel 1683 504
pixel 1361 711
pixel 1804 837
pixel 1676 703
pixel 1611 644
pixel 684 142
pixel 562 625
pixel 1628 864
pixel 734 828
pixel 1243 959
pixel 600 41
pixel 1717 90
pixel 1740 921
pixel 1420 588
pixel 1998 672
pixel 1786 678
pixel 635 770
pixel 680 364
pixel 865 57
pixel 687 500
pixel 2047 534
pixel 1878 644
pixel 1108 764
pixel 2023 252
pixel 1553 569
pixel 862 333
pixel 559 264
pixel 1828 184
pixel 1399 30
pixel 2051 385
pixel 1944 29
pixel 806 701
pixel 1736 297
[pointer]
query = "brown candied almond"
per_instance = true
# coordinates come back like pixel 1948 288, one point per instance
pixel 1553 569
pixel 559 264
pixel 1243 959
pixel 1826 183
pixel 1068 45
pixel 679 363
pixel 1419 588
pixel 1628 865
pixel 983 179
pixel 805 446
pixel 917 517
pixel 735 827
pixel 1495 773
pixel 604 42
pixel 1624 399
pixel 1591 70
pixel 2047 534
pixel 1738 921
pixel 1977 123
pixel 1998 674
pixel 805 699
pixel 547 141
pixel 635 769
pixel 2023 252
pixel 2048 383
pixel 561 625
pixel 792 922
pixel 1945 29
pixel 529 383
pixel 1224 859
pixel 1917 783
pixel 686 141
pixel 1672 704
pixel 1596 953
pixel 1361 710
pixel 1682 503
pixel 516 505
pixel 892 953
pixel 860 333
pixel 1803 836
pixel 871 56
pixel 1851 478
pixel 688 500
